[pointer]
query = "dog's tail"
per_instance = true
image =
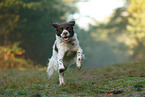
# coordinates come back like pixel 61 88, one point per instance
pixel 51 67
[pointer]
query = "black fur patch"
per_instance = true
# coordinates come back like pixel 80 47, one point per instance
pixel 55 48
pixel 70 55
pixel 67 25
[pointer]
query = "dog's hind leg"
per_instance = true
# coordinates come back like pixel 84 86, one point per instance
pixel 61 79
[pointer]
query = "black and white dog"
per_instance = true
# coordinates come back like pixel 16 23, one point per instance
pixel 66 50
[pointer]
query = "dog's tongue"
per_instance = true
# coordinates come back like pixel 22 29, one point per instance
pixel 65 38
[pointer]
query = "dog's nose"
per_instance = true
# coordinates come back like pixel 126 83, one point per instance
pixel 65 33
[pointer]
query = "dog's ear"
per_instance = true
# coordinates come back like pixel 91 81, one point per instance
pixel 72 23
pixel 55 25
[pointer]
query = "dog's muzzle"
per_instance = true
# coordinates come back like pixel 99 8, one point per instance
pixel 65 35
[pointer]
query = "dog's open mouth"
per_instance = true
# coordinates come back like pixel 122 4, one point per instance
pixel 66 38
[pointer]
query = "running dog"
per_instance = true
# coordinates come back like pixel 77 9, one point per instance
pixel 66 50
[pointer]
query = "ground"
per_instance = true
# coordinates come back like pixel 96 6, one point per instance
pixel 127 80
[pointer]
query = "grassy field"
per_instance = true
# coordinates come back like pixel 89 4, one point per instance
pixel 127 80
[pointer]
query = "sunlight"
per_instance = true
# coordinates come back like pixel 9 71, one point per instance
pixel 96 9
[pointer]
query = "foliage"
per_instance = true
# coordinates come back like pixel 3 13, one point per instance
pixel 87 82
pixel 13 57
pixel 27 22
pixel 136 27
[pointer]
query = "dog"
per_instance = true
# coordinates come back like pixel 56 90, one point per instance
pixel 66 50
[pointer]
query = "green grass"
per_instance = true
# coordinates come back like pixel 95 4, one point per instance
pixel 99 81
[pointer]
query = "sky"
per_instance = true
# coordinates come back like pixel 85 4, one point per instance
pixel 96 9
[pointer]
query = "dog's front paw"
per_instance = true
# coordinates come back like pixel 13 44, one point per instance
pixel 61 70
pixel 80 56
pixel 79 62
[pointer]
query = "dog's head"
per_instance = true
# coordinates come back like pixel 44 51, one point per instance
pixel 64 30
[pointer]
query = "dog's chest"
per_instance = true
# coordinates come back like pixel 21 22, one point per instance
pixel 69 55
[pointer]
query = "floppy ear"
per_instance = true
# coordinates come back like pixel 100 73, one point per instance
pixel 55 25
pixel 72 23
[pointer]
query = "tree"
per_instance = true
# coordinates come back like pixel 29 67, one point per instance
pixel 8 22
pixel 136 27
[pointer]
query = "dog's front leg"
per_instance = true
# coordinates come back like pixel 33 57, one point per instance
pixel 60 61
pixel 79 58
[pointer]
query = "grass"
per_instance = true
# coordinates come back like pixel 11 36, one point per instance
pixel 107 81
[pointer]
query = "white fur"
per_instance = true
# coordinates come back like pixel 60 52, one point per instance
pixel 57 61
pixel 65 31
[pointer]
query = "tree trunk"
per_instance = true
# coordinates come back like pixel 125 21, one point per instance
pixel 5 45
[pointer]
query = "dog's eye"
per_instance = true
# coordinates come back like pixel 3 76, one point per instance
pixel 61 29
pixel 67 28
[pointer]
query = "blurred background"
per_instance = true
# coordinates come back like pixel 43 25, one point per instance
pixel 109 31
